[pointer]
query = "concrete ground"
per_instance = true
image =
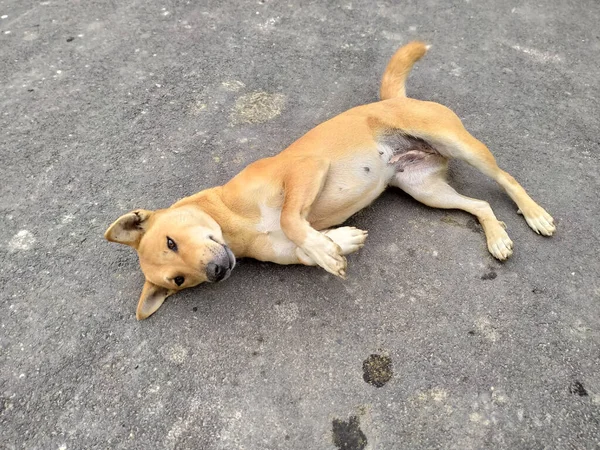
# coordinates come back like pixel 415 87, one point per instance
pixel 107 106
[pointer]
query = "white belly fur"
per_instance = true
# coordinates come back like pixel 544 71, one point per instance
pixel 353 184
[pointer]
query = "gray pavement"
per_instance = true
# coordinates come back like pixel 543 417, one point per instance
pixel 107 106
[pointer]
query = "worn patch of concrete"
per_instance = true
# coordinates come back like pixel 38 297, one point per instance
pixel 257 107
pixel 232 85
pixel 23 240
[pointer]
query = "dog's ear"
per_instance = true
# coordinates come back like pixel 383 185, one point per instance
pixel 151 299
pixel 129 228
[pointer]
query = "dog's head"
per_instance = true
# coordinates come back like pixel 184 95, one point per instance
pixel 177 247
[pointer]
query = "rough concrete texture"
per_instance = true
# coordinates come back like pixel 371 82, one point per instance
pixel 109 106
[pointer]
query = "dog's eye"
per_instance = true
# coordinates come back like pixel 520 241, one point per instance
pixel 178 280
pixel 171 244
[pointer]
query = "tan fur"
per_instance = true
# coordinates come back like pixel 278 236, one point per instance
pixel 280 208
pixel 394 77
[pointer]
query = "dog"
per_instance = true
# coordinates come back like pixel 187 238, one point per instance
pixel 282 208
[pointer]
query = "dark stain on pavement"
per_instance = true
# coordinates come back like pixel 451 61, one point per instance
pixel 474 226
pixel 451 221
pixel 577 388
pixel 377 370
pixel 471 224
pixel 348 435
pixel 489 276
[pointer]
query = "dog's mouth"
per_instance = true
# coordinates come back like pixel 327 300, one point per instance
pixel 231 258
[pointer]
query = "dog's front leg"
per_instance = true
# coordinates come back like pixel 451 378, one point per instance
pixel 302 186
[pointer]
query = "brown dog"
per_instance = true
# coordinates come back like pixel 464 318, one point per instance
pixel 281 208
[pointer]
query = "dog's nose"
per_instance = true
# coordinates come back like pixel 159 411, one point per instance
pixel 216 272
pixel 221 266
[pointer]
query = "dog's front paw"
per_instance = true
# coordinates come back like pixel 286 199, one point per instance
pixel 325 253
pixel 350 239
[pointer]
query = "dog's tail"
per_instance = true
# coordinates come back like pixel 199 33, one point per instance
pixel 396 72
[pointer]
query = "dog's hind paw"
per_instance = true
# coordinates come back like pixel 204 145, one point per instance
pixel 500 245
pixel 350 239
pixel 539 220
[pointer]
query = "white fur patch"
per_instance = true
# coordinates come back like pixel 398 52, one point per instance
pixel 270 224
pixel 281 245
pixel 270 219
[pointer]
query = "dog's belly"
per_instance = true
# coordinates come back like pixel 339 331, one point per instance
pixel 352 184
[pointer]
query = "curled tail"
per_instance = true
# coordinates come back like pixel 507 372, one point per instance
pixel 396 72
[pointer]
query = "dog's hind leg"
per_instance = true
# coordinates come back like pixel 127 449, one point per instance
pixel 442 129
pixel 424 180
pixel 452 140
pixel 462 145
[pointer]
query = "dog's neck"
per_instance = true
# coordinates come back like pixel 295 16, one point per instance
pixel 231 222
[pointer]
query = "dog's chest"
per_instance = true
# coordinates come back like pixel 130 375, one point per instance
pixel 280 248
pixel 270 219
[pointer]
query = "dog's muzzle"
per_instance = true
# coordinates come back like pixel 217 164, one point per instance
pixel 220 268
